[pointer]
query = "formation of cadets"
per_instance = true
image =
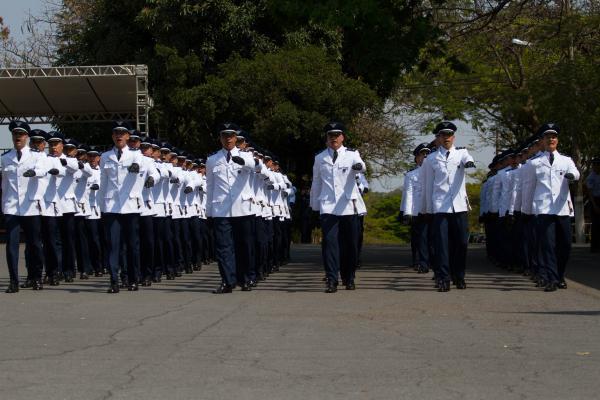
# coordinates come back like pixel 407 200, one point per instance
pixel 142 210
pixel 526 209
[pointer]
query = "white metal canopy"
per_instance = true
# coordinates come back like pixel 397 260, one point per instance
pixel 75 94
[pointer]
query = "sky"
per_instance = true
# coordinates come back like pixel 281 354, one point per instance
pixel 15 12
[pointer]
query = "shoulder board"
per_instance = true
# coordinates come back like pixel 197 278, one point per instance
pixel 412 169
pixel 350 149
pixel 213 153
pixel 7 151
pixel 461 148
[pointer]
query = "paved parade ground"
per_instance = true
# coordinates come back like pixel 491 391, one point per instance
pixel 392 338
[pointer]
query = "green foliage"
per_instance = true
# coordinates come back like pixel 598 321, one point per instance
pixel 381 224
pixel 279 68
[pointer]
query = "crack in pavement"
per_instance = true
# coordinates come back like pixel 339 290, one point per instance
pixel 112 338
pixel 111 392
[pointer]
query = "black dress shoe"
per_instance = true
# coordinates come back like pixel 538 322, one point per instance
pixel 13 287
pixel 350 286
pixel 114 288
pixel 562 285
pixel 178 274
pixel 422 270
pixel 133 287
pixel 170 276
pixel 68 278
pixel 53 281
pixel 331 288
pixel 46 279
pixel 37 285
pixel 223 288
pixel 246 287
pixel 252 283
pixel 98 274
pixel 27 284
pixel 551 287
pixel 147 282
pixel 157 279
pixel 444 286
pixel 84 276
pixel 461 284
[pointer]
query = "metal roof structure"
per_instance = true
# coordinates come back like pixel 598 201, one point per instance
pixel 75 94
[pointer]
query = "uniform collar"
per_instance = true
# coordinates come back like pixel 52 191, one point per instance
pixel 442 150
pixel 339 151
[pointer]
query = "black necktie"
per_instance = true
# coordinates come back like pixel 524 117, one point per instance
pixel 119 154
pixel 228 156
pixel 447 154
pixel 19 154
pixel 551 158
pixel 334 156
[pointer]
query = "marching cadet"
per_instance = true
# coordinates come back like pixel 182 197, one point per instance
pixel 180 220
pixel 546 193
pixel 204 229
pixel 411 209
pixel 82 198
pixel 177 212
pixel 148 209
pixel 445 197
pixel 92 221
pixel 229 203
pixel 592 186
pixel 163 232
pixel 21 170
pixel 535 149
pixel 195 199
pixel 335 195
pixel 68 205
pixel 278 201
pixel 37 145
pixel 120 171
pixel 52 209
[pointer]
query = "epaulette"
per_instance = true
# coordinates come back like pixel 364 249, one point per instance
pixel 461 148
pixel 412 169
pixel 350 149
pixel 213 153
pixel 7 151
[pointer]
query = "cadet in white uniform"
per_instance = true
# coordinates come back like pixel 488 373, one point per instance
pixel 82 198
pixel 21 172
pixel 592 186
pixel 546 194
pixel 148 210
pixel 92 221
pixel 411 210
pixel 335 195
pixel 120 172
pixel 445 197
pixel 230 203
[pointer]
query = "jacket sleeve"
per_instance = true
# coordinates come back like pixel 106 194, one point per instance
pixel 528 177
pixel 210 184
pixel 427 205
pixel 315 188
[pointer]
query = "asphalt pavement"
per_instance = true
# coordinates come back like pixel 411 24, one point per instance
pixel 395 337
